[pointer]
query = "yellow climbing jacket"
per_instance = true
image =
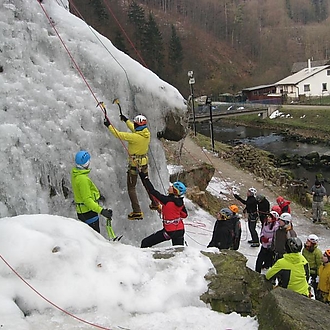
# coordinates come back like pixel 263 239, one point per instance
pixel 85 192
pixel 138 143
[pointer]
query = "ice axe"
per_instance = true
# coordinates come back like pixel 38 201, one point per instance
pixel 111 233
pixel 116 101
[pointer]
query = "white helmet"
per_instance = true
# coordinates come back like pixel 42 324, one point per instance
pixel 275 215
pixel 140 120
pixel 286 217
pixel 253 191
pixel 313 238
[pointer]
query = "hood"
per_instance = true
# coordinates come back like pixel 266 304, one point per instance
pixel 144 132
pixel 294 258
pixel 77 171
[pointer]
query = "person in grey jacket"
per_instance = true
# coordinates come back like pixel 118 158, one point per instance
pixel 318 192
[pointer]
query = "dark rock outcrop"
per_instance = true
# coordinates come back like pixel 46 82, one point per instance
pixel 175 128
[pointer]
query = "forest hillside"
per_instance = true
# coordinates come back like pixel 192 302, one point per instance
pixel 229 44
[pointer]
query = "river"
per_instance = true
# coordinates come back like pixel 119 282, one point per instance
pixel 268 140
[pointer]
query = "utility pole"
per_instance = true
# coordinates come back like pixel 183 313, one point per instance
pixel 191 83
pixel 209 103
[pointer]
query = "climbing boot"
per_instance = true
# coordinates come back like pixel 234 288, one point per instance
pixel 255 245
pixel 135 216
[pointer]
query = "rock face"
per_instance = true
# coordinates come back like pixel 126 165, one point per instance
pixel 199 176
pixel 236 288
pixel 175 129
pixel 286 310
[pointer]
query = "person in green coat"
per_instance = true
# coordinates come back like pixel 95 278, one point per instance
pixel 314 257
pixel 292 271
pixel 86 194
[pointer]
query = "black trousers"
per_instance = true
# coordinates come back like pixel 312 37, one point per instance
pixel 160 236
pixel 265 257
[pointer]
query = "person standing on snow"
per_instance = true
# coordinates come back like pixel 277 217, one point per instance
pixel 314 257
pixel 282 234
pixel 318 192
pixel 266 256
pixel 173 212
pixel 85 193
pixel 263 208
pixel 283 204
pixel 223 228
pixel 138 144
pixel 292 271
pixel 236 227
pixel 324 280
pixel 251 209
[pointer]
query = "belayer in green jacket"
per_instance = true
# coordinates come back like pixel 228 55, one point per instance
pixel 86 194
pixel 292 271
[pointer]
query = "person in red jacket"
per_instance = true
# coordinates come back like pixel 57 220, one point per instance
pixel 173 211
pixel 283 204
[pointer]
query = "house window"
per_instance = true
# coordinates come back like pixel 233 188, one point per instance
pixel 307 88
pixel 328 72
pixel 324 87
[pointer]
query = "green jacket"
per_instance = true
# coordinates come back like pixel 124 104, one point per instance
pixel 84 191
pixel 138 143
pixel 292 271
pixel 314 259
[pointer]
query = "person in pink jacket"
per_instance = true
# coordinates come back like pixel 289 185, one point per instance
pixel 266 255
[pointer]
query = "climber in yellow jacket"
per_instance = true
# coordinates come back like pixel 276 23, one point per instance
pixel 324 280
pixel 138 144
pixel 292 271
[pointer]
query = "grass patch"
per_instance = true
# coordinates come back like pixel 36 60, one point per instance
pixel 305 118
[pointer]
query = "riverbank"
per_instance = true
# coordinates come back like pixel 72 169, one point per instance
pixel 308 124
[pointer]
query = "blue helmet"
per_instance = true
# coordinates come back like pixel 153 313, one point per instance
pixel 180 188
pixel 82 159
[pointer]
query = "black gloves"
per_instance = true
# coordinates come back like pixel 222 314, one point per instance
pixel 123 118
pixel 106 122
pixel 143 175
pixel 160 134
pixel 107 213
pixel 235 195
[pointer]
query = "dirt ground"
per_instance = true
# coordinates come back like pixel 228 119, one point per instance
pixel 191 154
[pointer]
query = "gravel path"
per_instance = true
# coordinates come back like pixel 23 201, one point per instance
pixel 242 180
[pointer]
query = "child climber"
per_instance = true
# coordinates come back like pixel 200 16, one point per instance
pixel 173 211
pixel 266 255
pixel 222 232
pixel 324 280
pixel 314 257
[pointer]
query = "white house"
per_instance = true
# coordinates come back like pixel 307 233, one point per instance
pixel 308 82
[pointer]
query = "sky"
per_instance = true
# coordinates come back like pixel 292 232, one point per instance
pixel 56 272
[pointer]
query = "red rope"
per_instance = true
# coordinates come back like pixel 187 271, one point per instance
pixel 50 302
pixel 99 104
pixel 124 32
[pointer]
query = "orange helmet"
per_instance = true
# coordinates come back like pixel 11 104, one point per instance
pixel 234 208
pixel 327 253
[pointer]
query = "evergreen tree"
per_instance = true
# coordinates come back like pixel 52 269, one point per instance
pixel 136 17
pixel 100 10
pixel 152 46
pixel 175 54
pixel 119 42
